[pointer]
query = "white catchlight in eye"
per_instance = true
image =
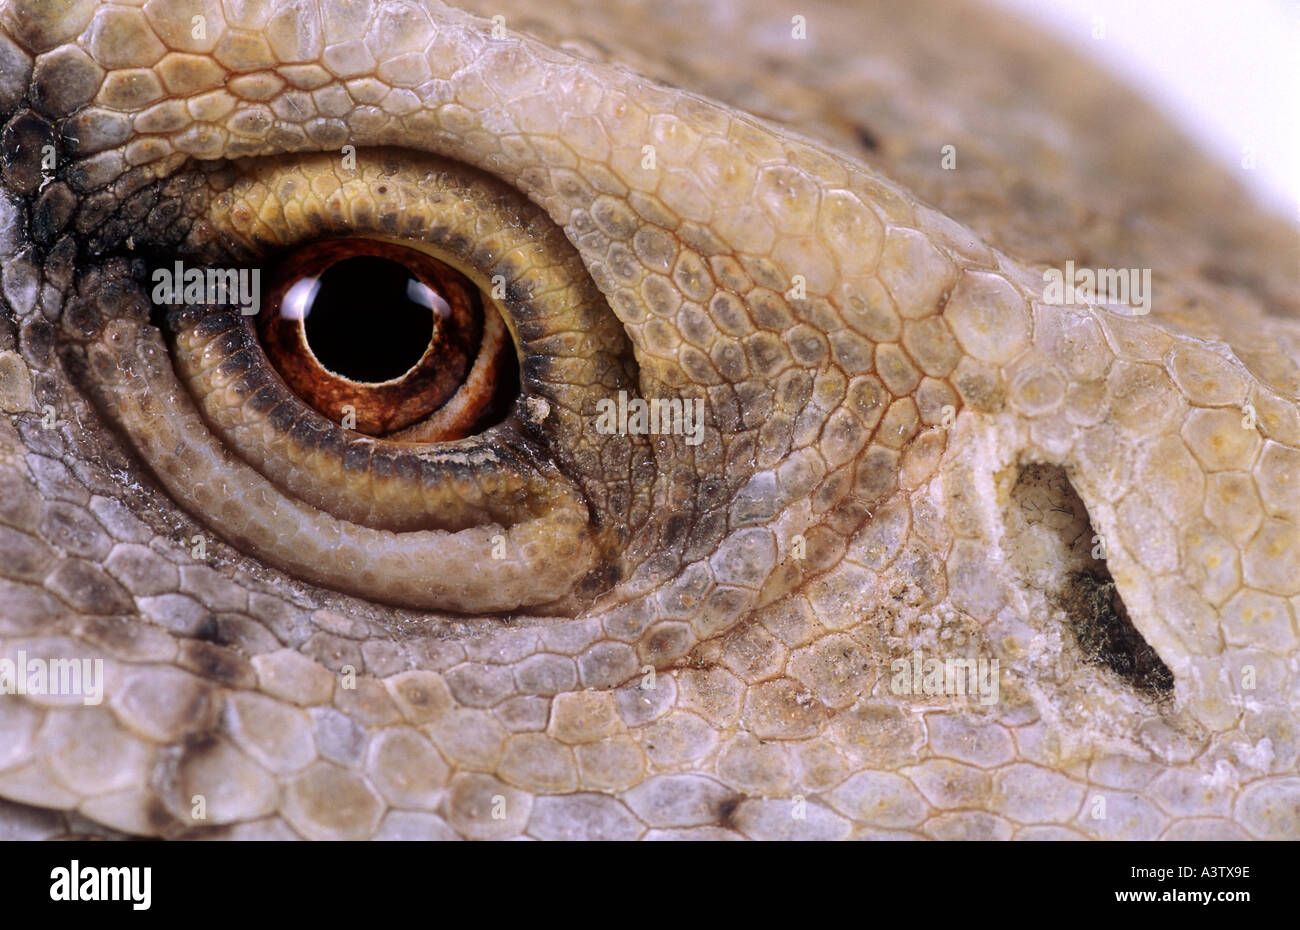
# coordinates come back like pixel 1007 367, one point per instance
pixel 418 293
pixel 299 298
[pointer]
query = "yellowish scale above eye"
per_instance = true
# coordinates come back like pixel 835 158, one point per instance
pixel 387 340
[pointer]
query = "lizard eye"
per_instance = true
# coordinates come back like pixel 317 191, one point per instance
pixel 400 342
pixel 398 400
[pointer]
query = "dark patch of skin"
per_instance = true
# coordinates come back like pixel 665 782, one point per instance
pixel 599 580
pixel 216 664
pixel 1107 637
pixel 677 526
pixel 83 317
pixel 357 458
pixel 20 151
pixel 662 646
pixel 727 812
pixel 38 340
pixel 1094 610
pixel 866 138
pixel 167 777
pixel 8 333
pixel 213 324
pixel 51 213
pixel 209 631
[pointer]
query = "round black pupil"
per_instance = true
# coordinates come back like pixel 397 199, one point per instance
pixel 362 323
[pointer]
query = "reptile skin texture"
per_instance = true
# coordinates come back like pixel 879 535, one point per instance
pixel 830 225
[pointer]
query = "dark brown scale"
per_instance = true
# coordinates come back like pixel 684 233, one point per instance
pixel 264 400
pixel 382 465
pixel 230 342
pixel 238 362
pixel 284 416
pixel 254 383
pixel 307 433
pixel 357 457
pixel 214 324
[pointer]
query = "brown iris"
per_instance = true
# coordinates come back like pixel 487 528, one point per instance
pixel 397 336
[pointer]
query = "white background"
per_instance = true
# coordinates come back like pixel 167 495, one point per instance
pixel 1226 71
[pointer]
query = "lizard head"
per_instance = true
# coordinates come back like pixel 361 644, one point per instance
pixel 781 488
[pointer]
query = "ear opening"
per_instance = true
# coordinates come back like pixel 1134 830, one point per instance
pixel 1056 546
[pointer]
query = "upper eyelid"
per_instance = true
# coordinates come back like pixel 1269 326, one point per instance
pixel 576 149
pixel 586 139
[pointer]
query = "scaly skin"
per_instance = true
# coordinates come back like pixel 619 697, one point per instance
pixel 887 465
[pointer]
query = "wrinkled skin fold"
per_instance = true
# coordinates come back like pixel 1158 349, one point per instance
pixel 909 451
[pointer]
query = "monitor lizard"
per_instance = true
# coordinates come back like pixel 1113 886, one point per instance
pixel 836 226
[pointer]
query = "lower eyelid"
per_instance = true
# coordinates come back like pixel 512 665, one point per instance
pixel 431 569
pixel 448 486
